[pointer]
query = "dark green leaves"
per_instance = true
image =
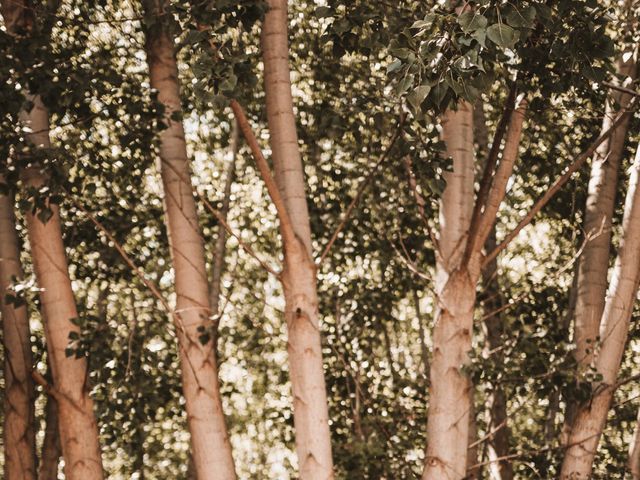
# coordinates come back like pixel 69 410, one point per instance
pixel 502 35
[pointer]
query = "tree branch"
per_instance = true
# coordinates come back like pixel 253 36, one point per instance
pixel 559 183
pixel 488 172
pixel 286 227
pixel 360 191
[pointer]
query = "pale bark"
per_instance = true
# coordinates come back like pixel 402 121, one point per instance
pixel 50 456
pixel 593 264
pixel 211 448
pixel 311 417
pixel 77 424
pixel 457 276
pixel 591 417
pixel 634 452
pixel 19 392
pixel 449 392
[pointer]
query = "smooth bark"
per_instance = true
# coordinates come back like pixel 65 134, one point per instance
pixel 311 417
pixel 591 417
pixel 19 392
pixel 449 392
pixel 458 271
pixel 211 448
pixel 593 264
pixel 77 424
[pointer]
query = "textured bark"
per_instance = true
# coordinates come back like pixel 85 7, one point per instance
pixel 449 393
pixel 51 451
pixel 591 417
pixel 211 448
pixel 77 424
pixel 19 393
pixel 594 261
pixel 311 417
pixel 634 452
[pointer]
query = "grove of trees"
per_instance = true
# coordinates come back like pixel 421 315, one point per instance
pixel 320 239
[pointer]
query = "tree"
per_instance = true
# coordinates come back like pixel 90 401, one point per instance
pixel 212 455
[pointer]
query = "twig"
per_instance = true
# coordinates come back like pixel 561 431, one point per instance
pixel 360 191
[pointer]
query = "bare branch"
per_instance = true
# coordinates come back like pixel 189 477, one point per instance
pixel 559 183
pixel 286 227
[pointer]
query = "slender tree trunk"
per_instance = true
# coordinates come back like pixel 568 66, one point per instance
pixel 221 241
pixel 311 417
pixel 77 424
pixel 50 456
pixel 634 452
pixel 591 417
pixel 497 412
pixel 594 260
pixel 593 264
pixel 210 443
pixel 498 443
pixel 19 393
pixel 449 393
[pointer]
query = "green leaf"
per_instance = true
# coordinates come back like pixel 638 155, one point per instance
pixel 502 35
pixel 472 21
pixel 417 96
pixel 524 18
pixel 324 12
pixel 394 66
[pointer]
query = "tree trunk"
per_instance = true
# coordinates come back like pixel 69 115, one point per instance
pixel 311 417
pixel 221 241
pixel 634 452
pixel 591 417
pixel 593 264
pixel 212 454
pixel 77 424
pixel 19 393
pixel 50 457
pixel 498 443
pixel 449 394
pixel 497 402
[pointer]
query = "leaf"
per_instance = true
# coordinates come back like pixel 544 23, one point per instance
pixel 502 35
pixel 472 21
pixel 417 96
pixel 524 18
pixel 324 12
pixel 394 66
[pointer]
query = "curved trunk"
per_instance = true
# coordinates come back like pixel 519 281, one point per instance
pixel 449 392
pixel 211 447
pixel 19 393
pixel 591 417
pixel 310 408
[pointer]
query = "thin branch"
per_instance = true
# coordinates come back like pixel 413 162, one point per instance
pixel 360 191
pixel 489 168
pixel 628 91
pixel 286 227
pixel 560 182
pixel 500 181
pixel 421 204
